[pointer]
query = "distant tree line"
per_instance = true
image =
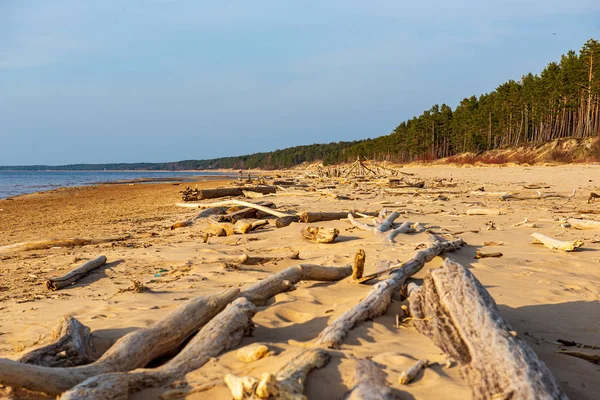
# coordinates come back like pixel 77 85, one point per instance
pixel 562 101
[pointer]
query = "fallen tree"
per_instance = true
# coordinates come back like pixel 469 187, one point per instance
pixel 457 313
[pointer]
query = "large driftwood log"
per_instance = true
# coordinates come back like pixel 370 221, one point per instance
pixel 459 315
pixel 380 227
pixel 583 223
pixel 75 275
pixel 233 191
pixel 48 244
pixel 370 383
pixel 537 196
pixel 379 298
pixel 134 350
pixel 285 280
pixel 223 332
pixel 406 227
pixel 320 234
pixel 257 206
pixel 310 217
pixel 556 244
pixel 72 345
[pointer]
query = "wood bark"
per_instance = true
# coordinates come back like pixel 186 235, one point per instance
pixel 319 216
pixel 320 234
pixel 48 244
pixel 379 298
pixel 204 194
pixel 370 383
pixel 75 275
pixel 72 345
pixel 285 280
pixel 556 244
pixel 459 315
pixel 133 350
pixel 222 333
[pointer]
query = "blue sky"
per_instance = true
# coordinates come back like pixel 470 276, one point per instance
pixel 166 80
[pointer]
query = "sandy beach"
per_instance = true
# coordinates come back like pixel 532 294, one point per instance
pixel 545 294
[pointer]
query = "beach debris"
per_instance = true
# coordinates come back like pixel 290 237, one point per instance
pixel 286 221
pixel 359 264
pixel 75 275
pixel 233 202
pixel 407 376
pixel 318 216
pixel 555 244
pixel 55 243
pixel 537 196
pixel 369 383
pixel 487 255
pixel 493 244
pixel 241 387
pixel 593 358
pixel 508 368
pixel 202 194
pixel 405 227
pixel 320 234
pixel 583 223
pixel 246 259
pixel 484 211
pixel 380 296
pixel 252 352
pixel 384 224
pixel 71 346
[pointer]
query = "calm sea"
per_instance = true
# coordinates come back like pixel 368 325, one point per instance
pixel 13 183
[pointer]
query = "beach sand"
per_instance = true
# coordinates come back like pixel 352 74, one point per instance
pixel 545 294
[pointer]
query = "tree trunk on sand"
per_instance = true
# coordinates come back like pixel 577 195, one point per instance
pixel 223 332
pixel 134 350
pixel 72 346
pixel 379 298
pixel 233 191
pixel 310 217
pixel 459 315
pixel 75 275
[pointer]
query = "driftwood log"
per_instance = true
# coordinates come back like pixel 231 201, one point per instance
pixel 583 223
pixel 405 227
pixel 359 264
pixel 258 206
pixel 370 383
pixel 48 244
pixel 537 196
pixel 379 298
pixel 222 333
pixel 204 194
pixel 380 227
pixel 407 376
pixel 287 220
pixel 310 217
pixel 72 345
pixel 320 234
pixel 556 244
pixel 459 315
pixel 134 350
pixel 484 211
pixel 75 275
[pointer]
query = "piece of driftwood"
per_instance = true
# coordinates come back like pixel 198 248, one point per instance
pixel 593 358
pixel 134 350
pixel 285 280
pixel 491 194
pixel 320 234
pixel 583 223
pixel 556 244
pixel 287 220
pixel 202 214
pixel 233 202
pixel 457 313
pixel 241 387
pixel 72 345
pixel 484 211
pixel 537 196
pixel 246 259
pixel 252 352
pixel 289 381
pixel 75 275
pixel 310 217
pixel 405 227
pixel 481 254
pixel 370 383
pixel 221 333
pixel 48 244
pixel 359 264
pixel 592 198
pixel 380 227
pixel 379 298
pixel 407 376
pixel 204 194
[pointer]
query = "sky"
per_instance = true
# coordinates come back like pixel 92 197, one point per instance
pixel 101 81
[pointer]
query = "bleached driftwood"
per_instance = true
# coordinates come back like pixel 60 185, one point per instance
pixel 556 244
pixel 285 280
pixel 370 383
pixel 537 196
pixel 379 298
pixel 75 275
pixel 222 333
pixel 407 376
pixel 233 191
pixel 202 214
pixel 457 313
pixel 246 259
pixel 583 223
pixel 359 264
pixel 233 202
pixel 406 227
pixel 379 228
pixel 320 234
pixel 484 211
pixel 491 194
pixel 288 383
pixel 319 216
pixel 48 244
pixel 72 345
pixel 134 350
